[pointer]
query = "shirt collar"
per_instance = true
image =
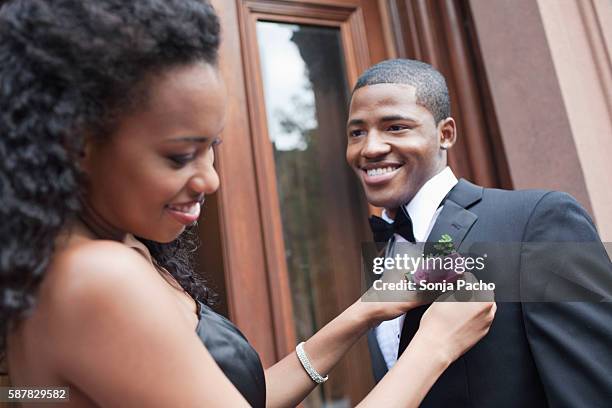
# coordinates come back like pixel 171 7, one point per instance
pixel 426 201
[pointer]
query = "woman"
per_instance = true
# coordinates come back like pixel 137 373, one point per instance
pixel 110 114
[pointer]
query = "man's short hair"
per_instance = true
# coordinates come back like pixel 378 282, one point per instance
pixel 431 90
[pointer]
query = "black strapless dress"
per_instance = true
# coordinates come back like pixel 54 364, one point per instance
pixel 233 353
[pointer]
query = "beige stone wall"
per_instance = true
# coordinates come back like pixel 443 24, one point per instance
pixel 579 33
pixel 547 64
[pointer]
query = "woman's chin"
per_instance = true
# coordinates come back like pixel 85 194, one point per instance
pixel 164 237
pixel 171 237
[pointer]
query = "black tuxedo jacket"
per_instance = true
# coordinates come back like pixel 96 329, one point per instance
pixel 536 354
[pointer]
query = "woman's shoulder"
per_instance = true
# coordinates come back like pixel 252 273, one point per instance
pixel 90 290
pixel 95 278
pixel 87 267
pixel 95 256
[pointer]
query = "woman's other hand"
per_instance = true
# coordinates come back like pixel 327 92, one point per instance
pixel 453 327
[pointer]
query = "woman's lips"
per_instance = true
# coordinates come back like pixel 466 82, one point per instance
pixel 379 175
pixel 185 213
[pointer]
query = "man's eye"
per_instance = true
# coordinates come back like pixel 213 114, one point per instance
pixel 356 133
pixel 181 160
pixel 396 128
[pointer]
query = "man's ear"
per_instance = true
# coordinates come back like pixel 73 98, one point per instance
pixel 447 131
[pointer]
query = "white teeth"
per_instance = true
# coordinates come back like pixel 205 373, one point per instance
pixel 194 209
pixel 379 171
pixel 189 209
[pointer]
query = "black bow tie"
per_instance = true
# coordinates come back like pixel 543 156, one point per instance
pixel 383 231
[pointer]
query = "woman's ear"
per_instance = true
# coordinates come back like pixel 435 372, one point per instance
pixel 447 129
pixel 85 154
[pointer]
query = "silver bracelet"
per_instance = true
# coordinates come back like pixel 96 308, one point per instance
pixel 303 357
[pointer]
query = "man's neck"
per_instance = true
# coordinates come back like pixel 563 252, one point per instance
pixel 391 213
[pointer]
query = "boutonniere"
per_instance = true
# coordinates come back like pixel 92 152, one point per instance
pixel 445 246
pixel 445 264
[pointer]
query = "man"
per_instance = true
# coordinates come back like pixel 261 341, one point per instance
pixel 536 353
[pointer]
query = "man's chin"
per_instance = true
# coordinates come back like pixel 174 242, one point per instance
pixel 388 203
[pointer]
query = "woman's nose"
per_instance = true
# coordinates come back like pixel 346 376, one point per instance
pixel 206 181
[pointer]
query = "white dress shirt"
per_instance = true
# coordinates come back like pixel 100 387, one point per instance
pixel 423 211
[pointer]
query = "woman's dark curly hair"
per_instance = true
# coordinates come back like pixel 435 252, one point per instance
pixel 70 67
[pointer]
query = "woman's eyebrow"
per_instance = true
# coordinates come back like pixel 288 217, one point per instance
pixel 192 139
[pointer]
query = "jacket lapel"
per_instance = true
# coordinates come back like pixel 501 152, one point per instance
pixel 455 218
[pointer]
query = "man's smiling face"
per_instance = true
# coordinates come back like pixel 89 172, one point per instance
pixel 394 145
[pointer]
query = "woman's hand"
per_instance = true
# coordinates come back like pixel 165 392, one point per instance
pixel 388 298
pixel 376 312
pixel 454 327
